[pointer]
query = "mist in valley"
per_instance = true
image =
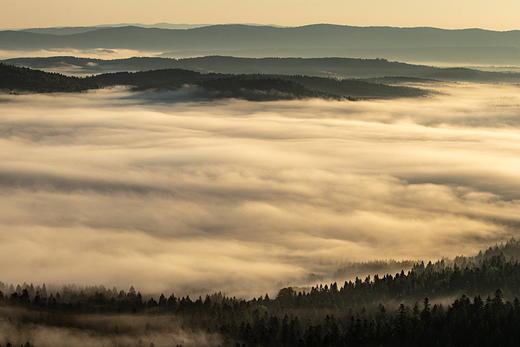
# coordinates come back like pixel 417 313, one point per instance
pixel 170 195
pixel 19 326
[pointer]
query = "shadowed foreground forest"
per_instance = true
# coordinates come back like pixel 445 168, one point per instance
pixel 467 301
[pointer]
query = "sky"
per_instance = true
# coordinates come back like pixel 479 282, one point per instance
pixel 499 15
pixel 121 189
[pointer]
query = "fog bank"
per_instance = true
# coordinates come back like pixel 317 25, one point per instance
pixel 243 197
pixel 18 326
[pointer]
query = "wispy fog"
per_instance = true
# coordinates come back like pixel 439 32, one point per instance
pixel 96 330
pixel 70 69
pixel 242 197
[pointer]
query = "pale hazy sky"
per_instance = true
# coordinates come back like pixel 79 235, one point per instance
pixel 450 14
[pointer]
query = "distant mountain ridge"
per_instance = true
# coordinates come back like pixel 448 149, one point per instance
pixel 67 30
pixel 311 40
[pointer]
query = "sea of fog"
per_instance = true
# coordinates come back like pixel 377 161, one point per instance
pixel 114 188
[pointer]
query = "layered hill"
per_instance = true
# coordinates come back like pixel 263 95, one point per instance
pixel 255 87
pixel 321 40
pixel 320 67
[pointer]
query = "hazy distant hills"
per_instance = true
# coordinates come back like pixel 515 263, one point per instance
pixel 321 67
pixel 321 40
pixel 79 30
pixel 83 29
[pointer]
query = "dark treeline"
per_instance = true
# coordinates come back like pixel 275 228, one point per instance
pixel 25 79
pixel 253 87
pixel 242 85
pixel 431 305
pixel 354 269
pixel 356 87
pixel 510 250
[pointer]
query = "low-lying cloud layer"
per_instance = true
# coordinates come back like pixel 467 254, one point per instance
pixel 96 330
pixel 241 197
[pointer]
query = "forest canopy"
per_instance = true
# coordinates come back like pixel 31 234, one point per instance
pixel 468 301
pixel 253 87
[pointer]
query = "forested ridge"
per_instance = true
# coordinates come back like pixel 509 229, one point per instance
pixel 252 87
pixel 25 79
pixel 469 301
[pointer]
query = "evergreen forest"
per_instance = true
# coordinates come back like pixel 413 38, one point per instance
pixel 211 86
pixel 467 301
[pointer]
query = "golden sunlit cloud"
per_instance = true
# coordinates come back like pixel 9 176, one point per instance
pixel 116 188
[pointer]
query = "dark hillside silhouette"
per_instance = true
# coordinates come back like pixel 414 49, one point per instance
pixel 24 79
pixel 216 86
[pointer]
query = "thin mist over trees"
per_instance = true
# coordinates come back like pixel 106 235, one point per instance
pixel 510 251
pixel 473 302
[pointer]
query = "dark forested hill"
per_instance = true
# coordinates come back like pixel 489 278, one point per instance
pixel 249 87
pixel 24 79
pixel 302 86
